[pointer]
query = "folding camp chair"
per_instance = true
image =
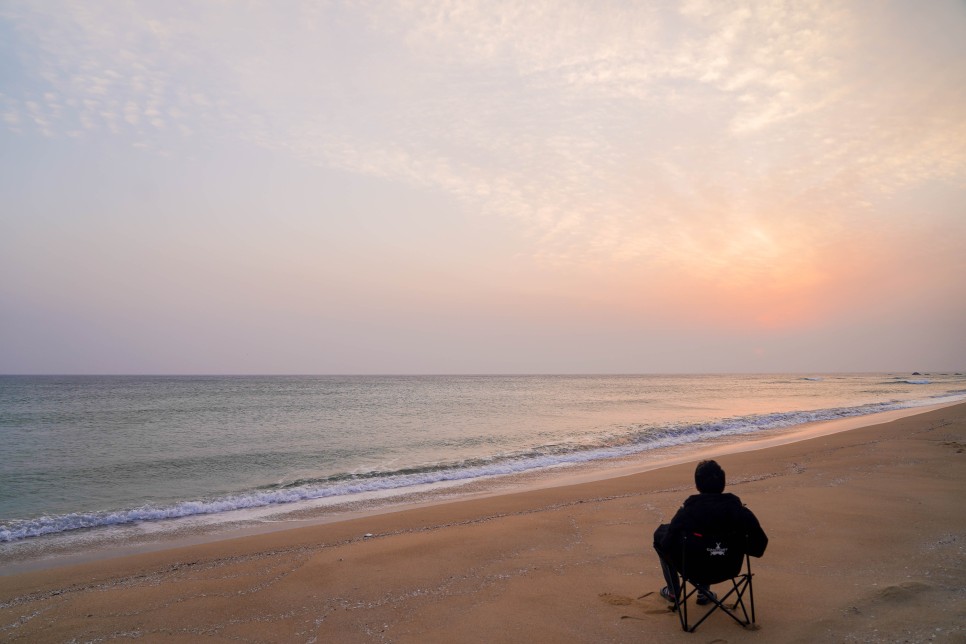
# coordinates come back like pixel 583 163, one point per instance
pixel 712 559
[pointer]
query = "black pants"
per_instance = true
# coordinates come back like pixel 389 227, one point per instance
pixel 667 567
pixel 670 575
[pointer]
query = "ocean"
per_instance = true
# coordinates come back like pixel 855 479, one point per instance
pixel 87 458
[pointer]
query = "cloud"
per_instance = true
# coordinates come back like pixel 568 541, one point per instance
pixel 616 134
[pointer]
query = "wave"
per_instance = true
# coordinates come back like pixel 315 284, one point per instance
pixel 630 440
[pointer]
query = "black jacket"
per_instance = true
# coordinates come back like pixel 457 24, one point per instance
pixel 713 513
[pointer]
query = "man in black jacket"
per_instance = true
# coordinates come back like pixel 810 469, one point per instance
pixel 708 511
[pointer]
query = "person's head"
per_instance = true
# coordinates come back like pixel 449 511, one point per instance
pixel 709 477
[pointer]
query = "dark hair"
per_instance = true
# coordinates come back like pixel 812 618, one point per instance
pixel 709 477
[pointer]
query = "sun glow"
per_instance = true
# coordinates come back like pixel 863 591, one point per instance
pixel 753 277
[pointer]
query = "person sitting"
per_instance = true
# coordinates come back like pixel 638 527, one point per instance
pixel 710 510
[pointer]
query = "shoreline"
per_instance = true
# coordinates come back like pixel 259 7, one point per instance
pixel 867 543
pixel 321 512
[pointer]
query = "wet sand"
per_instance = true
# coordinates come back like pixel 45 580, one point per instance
pixel 868 544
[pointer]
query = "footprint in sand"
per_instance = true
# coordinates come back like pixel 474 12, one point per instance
pixel 616 600
pixel 903 592
pixel 648 603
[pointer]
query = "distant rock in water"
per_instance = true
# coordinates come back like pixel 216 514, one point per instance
pixel 916 373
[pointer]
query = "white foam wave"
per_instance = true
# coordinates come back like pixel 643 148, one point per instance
pixel 638 439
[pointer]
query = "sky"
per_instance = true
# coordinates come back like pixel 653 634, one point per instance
pixel 408 187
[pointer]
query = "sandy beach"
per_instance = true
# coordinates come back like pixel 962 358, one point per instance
pixel 867 530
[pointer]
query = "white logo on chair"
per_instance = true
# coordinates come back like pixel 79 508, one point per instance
pixel 717 550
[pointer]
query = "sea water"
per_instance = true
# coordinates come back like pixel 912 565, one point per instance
pixel 91 454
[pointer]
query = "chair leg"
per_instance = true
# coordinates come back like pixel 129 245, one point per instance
pixel 751 593
pixel 681 605
pixel 739 589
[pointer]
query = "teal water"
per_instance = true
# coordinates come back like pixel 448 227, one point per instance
pixel 85 452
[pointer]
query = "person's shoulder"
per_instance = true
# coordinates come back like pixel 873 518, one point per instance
pixel 734 504
pixel 691 500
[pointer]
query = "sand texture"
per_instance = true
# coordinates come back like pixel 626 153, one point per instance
pixel 867 530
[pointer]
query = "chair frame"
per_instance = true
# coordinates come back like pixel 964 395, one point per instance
pixel 740 586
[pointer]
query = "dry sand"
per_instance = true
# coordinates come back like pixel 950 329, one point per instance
pixel 867 529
